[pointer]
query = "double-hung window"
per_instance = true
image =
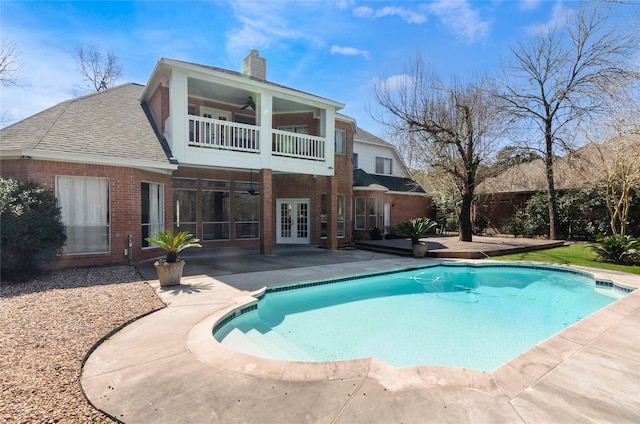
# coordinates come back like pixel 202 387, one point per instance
pixel 384 166
pixel 360 213
pixel 341 142
pixel 85 213
pixel 373 213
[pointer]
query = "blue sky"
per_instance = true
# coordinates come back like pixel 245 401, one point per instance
pixel 334 49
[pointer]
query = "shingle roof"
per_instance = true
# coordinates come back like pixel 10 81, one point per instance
pixel 397 184
pixel 575 170
pixel 363 135
pixel 110 124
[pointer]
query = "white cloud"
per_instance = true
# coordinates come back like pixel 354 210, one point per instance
pixel 395 82
pixel 262 25
pixel 405 14
pixel 463 21
pixel 349 51
pixel 529 4
pixel 344 4
pixel 559 16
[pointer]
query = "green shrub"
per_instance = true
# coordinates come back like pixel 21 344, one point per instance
pixel 376 233
pixel 32 229
pixel 415 228
pixel 480 224
pixel 619 249
pixel 515 225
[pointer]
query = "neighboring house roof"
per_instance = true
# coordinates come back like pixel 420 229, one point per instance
pixel 362 135
pixel 578 169
pixel 109 127
pixel 395 184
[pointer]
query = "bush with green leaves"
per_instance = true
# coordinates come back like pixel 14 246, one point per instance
pixel 32 229
pixel 415 228
pixel 480 224
pixel 619 249
pixel 515 225
pixel 582 215
pixel 174 244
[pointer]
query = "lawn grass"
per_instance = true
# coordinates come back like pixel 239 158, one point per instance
pixel 574 254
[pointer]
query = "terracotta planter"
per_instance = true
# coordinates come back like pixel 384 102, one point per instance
pixel 169 273
pixel 419 250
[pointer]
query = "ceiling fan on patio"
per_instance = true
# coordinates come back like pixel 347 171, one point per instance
pixel 250 103
pixel 252 192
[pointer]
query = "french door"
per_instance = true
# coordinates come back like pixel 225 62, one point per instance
pixel 292 218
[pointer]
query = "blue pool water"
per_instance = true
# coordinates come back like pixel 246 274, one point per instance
pixel 474 317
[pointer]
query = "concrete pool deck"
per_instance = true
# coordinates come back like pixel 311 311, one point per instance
pixel 166 367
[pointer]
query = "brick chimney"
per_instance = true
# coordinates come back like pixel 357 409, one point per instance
pixel 254 65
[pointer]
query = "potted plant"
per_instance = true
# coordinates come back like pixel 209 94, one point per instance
pixel 170 270
pixel 415 228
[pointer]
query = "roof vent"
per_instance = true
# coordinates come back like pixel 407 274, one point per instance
pixel 255 66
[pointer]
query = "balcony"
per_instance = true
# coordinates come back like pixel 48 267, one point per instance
pixel 209 133
pixel 216 134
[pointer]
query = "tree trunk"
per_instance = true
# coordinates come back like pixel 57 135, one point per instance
pixel 466 230
pixel 551 186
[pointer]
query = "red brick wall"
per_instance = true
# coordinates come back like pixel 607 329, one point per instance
pixel 500 206
pixel 124 201
pixel 214 105
pixel 287 119
pixel 403 208
pixel 159 105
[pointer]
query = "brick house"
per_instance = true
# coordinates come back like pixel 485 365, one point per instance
pixel 229 156
pixel 500 197
pixel 384 193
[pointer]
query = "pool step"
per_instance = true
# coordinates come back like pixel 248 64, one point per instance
pixel 295 352
pixel 237 340
pixel 282 348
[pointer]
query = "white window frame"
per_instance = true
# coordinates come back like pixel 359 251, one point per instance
pixel 386 167
pixel 86 217
pixel 158 216
pixel 363 215
pixel 341 142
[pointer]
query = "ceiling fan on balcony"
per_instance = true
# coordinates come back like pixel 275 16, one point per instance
pixel 250 103
pixel 251 191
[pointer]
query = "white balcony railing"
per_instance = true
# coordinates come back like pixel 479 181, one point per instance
pixel 217 134
pixel 285 143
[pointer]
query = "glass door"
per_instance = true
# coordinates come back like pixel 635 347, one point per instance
pixel 292 221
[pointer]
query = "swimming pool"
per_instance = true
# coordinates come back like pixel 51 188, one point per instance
pixel 474 316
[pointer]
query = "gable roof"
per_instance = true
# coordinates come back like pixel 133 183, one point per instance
pixel 109 127
pixel 395 184
pixel 575 170
pixel 362 135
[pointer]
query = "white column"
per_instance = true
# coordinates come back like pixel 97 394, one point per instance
pixel 330 135
pixel 178 109
pixel 265 120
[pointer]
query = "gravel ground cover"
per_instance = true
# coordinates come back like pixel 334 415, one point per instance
pixel 48 325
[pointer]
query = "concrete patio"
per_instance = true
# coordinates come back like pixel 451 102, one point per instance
pixel 167 368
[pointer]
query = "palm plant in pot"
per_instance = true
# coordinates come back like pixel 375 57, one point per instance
pixel 170 270
pixel 416 228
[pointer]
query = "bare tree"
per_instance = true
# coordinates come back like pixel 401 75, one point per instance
pixel 99 71
pixel 556 82
pixel 448 126
pixel 9 64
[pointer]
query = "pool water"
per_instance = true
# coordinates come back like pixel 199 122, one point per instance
pixel 465 316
